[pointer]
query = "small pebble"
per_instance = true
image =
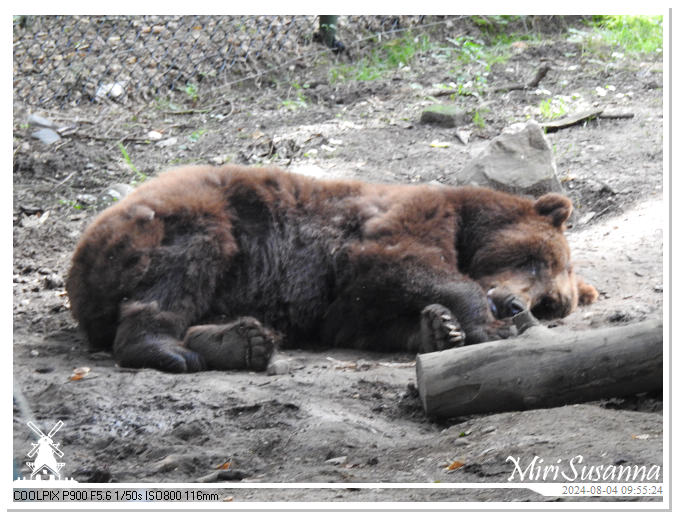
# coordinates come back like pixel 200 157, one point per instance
pixel 278 367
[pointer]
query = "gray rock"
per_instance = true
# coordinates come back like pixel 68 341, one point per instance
pixel 520 160
pixel 112 90
pixel 36 120
pixel 278 366
pixel 171 141
pixel 463 136
pixel 114 193
pixel 448 116
pixel 169 463
pixel 46 135
pixel 336 461
pixel 52 281
pixel 87 199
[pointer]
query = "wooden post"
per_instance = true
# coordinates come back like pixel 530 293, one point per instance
pixel 327 27
pixel 541 368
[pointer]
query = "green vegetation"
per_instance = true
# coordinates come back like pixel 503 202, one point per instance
pixel 498 28
pixel 468 50
pixel 478 118
pixel 139 176
pixel 628 34
pixel 300 100
pixel 388 56
pixel 191 90
pixel 197 135
pixel 71 203
pixel 635 34
pixel 553 108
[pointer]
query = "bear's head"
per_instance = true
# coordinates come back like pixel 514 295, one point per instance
pixel 527 264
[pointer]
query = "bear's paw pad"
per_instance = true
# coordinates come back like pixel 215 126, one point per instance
pixel 242 344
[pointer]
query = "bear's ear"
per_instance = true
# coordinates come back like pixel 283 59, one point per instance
pixel 555 206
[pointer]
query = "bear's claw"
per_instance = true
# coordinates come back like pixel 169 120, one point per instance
pixel 439 329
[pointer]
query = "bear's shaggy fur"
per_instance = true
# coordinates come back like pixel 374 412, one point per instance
pixel 208 267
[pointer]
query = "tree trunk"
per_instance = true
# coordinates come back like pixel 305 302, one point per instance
pixel 542 368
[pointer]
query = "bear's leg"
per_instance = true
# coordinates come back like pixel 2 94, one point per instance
pixel 243 344
pixel 468 303
pixel 176 291
pixel 147 337
pixel 413 311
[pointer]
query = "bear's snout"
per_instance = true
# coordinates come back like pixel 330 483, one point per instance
pixel 504 305
pixel 549 307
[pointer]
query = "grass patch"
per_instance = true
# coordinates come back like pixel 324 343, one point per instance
pixel 468 50
pixel 191 90
pixel 388 56
pixel 629 34
pixel 139 176
pixel 479 119
pixel 300 100
pixel 636 34
pixel 197 134
pixel 71 204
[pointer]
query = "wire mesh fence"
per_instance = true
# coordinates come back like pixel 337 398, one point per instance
pixel 69 60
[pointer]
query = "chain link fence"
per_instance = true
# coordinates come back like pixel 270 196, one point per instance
pixel 69 60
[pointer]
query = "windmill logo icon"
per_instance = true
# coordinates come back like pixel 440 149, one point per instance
pixel 45 465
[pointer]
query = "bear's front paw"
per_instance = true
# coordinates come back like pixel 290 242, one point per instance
pixel 439 329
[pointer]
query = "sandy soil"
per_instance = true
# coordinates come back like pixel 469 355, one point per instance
pixel 338 416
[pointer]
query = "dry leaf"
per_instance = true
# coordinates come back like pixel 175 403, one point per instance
pixel 226 465
pixel 455 465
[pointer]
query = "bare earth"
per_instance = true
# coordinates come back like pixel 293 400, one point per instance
pixel 338 416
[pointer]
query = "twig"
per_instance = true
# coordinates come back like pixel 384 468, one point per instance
pixel 567 121
pixel 539 76
pixel 111 138
pixel 64 179
pixel 200 110
pixel 580 117
pixel 614 115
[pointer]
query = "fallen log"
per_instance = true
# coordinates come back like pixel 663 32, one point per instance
pixel 541 368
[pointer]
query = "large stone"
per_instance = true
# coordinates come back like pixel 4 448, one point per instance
pixel 520 160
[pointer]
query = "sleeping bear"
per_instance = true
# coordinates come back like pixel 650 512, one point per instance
pixel 215 267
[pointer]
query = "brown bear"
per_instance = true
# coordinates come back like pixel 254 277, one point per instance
pixel 212 268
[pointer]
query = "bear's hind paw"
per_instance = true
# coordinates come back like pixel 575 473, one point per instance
pixel 241 344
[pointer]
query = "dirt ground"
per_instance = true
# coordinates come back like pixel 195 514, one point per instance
pixel 338 416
